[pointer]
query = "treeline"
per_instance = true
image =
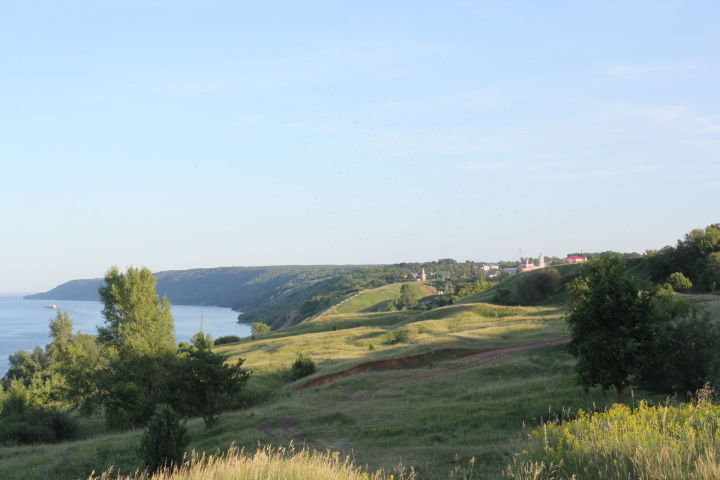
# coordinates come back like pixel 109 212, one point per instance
pixel 126 371
pixel 696 257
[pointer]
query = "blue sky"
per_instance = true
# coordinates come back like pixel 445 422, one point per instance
pixel 179 134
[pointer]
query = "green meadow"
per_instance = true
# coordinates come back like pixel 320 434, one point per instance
pixel 480 379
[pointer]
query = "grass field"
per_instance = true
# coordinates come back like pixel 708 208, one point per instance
pixel 375 299
pixel 434 417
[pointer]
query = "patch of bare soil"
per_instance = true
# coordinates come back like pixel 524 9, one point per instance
pixel 462 360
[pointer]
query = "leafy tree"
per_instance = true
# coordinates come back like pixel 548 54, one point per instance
pixel 409 295
pixel 81 362
pixel 163 444
pixel 465 289
pixel 612 324
pixel 139 344
pixel 207 381
pixel 697 256
pixel 679 282
pixel 26 366
pixel 713 270
pixel 258 328
pixel 687 356
pixel 137 321
pixel 536 286
pixel 61 333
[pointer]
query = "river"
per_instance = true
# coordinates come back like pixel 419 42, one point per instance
pixel 24 323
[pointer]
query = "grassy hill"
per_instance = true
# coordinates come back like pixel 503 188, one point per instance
pixel 463 381
pixel 479 375
pixel 512 288
pixel 376 299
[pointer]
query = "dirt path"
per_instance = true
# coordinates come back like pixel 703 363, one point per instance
pixel 460 362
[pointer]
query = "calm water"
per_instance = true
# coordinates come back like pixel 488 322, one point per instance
pixel 24 323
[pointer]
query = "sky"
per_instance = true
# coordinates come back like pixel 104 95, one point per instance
pixel 186 134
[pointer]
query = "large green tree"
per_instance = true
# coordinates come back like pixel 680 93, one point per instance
pixel 137 321
pixel 613 325
pixel 139 342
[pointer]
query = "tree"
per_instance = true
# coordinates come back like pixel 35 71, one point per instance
pixel 258 328
pixel 409 294
pixel 137 321
pixel 163 444
pixel 612 324
pixel 206 380
pixel 713 270
pixel 80 363
pixel 26 366
pixel 686 357
pixel 139 342
pixel 61 333
pixel 534 287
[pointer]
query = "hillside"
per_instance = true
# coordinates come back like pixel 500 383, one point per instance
pixel 463 382
pixel 376 299
pixel 272 295
pixel 530 288
pixel 276 295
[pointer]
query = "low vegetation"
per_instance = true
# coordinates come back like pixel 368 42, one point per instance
pixel 623 443
pixel 267 464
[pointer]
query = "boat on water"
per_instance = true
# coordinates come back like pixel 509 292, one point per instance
pixel 53 306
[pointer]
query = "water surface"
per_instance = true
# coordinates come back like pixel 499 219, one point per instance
pixel 24 323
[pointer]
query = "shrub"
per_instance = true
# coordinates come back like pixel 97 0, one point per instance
pixel 126 406
pixel 685 357
pixel 163 444
pixel 505 297
pixel 303 366
pixel 538 285
pixel 227 339
pixel 401 335
pixel 679 282
pixel 37 425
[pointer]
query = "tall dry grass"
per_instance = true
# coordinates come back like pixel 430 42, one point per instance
pixel 647 443
pixel 265 464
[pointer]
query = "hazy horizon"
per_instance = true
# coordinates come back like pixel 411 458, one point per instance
pixel 187 134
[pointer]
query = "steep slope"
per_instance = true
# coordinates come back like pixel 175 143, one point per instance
pixel 274 295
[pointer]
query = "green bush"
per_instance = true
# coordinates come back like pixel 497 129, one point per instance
pixel 163 443
pixel 401 335
pixel 37 425
pixel 679 282
pixel 505 297
pixel 686 356
pixel 303 366
pixel 227 339
pixel 538 285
